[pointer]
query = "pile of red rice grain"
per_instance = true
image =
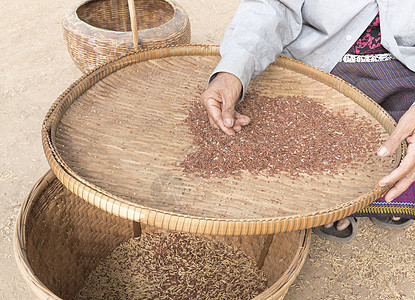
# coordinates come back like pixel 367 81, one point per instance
pixel 292 134
pixel 174 266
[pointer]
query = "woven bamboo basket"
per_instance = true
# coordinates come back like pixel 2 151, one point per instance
pixel 97 31
pixel 60 239
pixel 115 136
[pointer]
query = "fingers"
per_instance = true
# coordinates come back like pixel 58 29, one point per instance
pixel 215 118
pixel 406 166
pixel 219 100
pixel 213 105
pixel 404 175
pixel 400 187
pixel 228 114
pixel 241 120
pixel 391 144
pixel 411 139
pixel 404 129
pixel 213 124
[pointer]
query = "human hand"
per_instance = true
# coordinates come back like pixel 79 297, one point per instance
pixel 404 175
pixel 219 100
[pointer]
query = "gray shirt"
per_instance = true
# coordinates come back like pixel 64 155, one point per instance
pixel 317 32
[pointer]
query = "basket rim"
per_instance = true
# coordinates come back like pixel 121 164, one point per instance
pixel 73 22
pixel 278 289
pixel 187 223
pixel 19 240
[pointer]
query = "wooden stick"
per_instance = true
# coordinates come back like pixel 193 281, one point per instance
pixel 264 251
pixel 133 20
pixel 136 229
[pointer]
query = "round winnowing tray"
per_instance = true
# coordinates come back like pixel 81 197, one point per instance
pixel 114 138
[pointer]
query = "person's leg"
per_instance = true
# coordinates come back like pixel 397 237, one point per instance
pixel 394 90
pixel 392 85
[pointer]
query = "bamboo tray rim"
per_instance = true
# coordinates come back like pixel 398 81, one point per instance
pixel 187 223
pixel 72 17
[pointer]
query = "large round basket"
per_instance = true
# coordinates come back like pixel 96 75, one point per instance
pixel 97 31
pixel 60 239
pixel 115 138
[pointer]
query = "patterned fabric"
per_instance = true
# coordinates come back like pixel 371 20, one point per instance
pixel 403 206
pixel 353 58
pixel 389 83
pixel 392 85
pixel 369 41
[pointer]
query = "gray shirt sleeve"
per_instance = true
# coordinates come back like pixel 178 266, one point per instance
pixel 258 33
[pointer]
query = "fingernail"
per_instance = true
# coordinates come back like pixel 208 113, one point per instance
pixel 381 183
pixel 382 151
pixel 228 123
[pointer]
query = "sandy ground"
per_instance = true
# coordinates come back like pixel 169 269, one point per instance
pixel 36 68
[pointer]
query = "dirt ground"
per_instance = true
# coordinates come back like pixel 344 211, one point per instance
pixel 36 68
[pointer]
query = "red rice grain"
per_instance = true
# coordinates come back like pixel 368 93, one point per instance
pixel 292 134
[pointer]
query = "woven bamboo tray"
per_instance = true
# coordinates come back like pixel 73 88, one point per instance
pixel 96 31
pixel 60 238
pixel 114 138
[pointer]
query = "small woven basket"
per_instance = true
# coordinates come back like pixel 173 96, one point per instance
pixel 60 239
pixel 97 31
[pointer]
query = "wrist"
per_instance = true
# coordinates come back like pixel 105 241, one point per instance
pixel 230 82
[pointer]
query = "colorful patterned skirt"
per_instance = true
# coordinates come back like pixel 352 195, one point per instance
pixel 392 85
